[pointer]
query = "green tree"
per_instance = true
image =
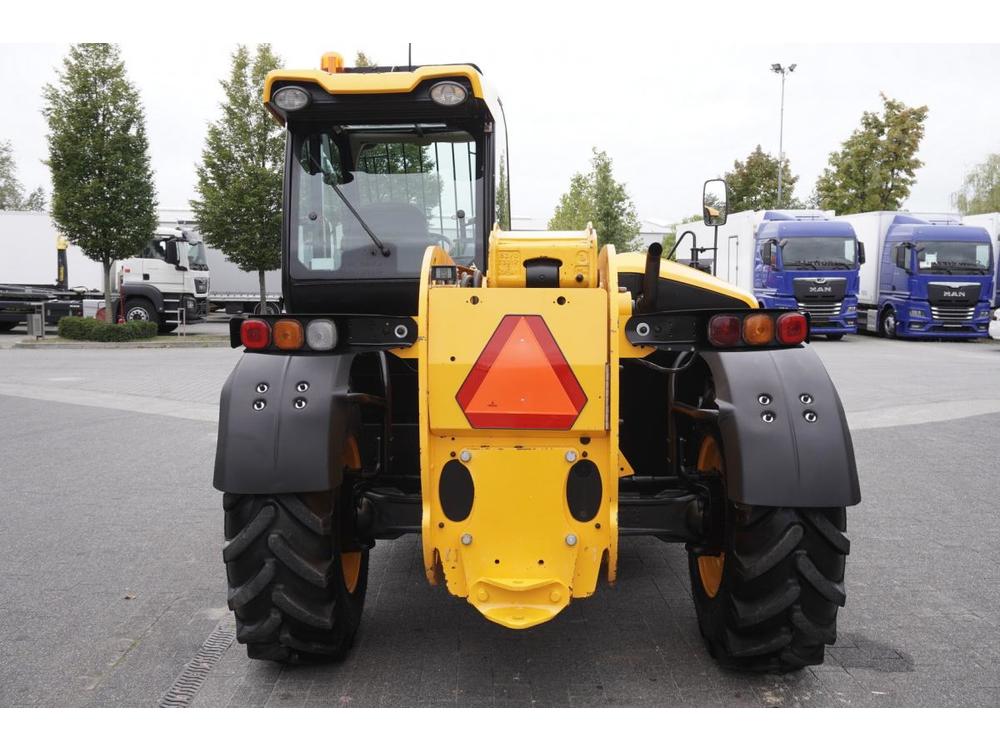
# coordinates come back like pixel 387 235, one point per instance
pixel 12 197
pixel 103 198
pixel 503 195
pixel 361 60
pixel 598 198
pixel 239 178
pixel 980 191
pixel 874 168
pixel 753 183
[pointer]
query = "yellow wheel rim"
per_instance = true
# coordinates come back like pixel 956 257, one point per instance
pixel 350 562
pixel 710 567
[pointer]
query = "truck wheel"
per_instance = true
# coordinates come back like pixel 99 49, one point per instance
pixel 835 336
pixel 768 599
pixel 297 593
pixel 140 309
pixel 889 323
pixel 268 308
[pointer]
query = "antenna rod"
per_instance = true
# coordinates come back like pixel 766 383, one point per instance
pixel 409 54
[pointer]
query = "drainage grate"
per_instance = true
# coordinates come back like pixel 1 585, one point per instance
pixel 189 682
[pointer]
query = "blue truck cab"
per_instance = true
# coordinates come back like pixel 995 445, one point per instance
pixel 935 280
pixel 809 263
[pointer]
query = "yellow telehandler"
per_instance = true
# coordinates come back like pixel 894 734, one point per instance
pixel 521 400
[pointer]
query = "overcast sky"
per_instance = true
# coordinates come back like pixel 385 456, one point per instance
pixel 667 121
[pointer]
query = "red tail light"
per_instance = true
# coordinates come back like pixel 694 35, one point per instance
pixel 255 334
pixel 792 328
pixel 724 330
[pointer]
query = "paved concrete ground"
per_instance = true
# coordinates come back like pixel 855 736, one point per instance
pixel 111 574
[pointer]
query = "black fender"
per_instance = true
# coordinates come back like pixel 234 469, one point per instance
pixel 148 291
pixel 277 447
pixel 787 462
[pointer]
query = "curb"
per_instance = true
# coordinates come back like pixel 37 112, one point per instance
pixel 200 342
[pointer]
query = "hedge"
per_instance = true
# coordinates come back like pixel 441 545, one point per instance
pixel 91 329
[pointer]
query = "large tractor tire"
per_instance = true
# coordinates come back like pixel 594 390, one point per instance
pixel 769 601
pixel 297 593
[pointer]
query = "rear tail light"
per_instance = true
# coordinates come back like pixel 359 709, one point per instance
pixel 255 334
pixel 288 334
pixel 792 328
pixel 724 330
pixel 758 330
pixel 321 335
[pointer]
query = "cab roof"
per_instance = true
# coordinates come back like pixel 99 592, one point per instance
pixel 336 79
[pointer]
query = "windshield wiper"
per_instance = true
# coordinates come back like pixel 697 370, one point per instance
pixel 801 264
pixel 364 225
pixel 939 267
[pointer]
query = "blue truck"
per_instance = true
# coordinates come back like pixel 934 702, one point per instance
pixel 930 276
pixel 795 259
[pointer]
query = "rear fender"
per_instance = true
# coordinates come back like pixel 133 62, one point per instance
pixel 276 447
pixel 787 462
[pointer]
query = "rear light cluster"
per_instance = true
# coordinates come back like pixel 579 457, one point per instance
pixel 758 329
pixel 289 335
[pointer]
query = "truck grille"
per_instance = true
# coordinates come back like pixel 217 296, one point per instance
pixel 820 310
pixel 952 314
pixel 201 286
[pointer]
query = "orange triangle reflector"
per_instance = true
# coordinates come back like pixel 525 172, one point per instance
pixel 521 380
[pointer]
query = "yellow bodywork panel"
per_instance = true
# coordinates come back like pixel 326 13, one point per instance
pixel 519 555
pixel 636 263
pixel 575 251
pixel 401 82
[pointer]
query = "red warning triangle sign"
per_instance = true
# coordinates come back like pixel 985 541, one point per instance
pixel 521 380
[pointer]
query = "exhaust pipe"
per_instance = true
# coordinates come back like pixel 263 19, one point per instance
pixel 650 279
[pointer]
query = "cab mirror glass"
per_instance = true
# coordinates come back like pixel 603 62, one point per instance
pixel 715 202
pixel 861 253
pixel 765 253
pixel 171 253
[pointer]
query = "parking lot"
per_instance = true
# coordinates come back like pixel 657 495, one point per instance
pixel 112 575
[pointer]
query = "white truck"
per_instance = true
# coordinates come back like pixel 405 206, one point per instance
pixel 232 289
pixel 929 275
pixel 167 282
pixel 802 260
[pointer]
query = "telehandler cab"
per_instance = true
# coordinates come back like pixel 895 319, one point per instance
pixel 522 400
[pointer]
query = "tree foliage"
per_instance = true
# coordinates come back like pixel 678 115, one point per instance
pixel 361 60
pixel 753 183
pixel 103 198
pixel 503 195
pixel 240 175
pixel 980 191
pixel 598 198
pixel 874 168
pixel 12 197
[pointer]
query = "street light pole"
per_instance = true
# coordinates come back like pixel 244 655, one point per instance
pixel 778 68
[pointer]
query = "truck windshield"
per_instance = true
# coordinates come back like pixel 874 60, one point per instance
pixel 954 257
pixel 399 188
pixel 818 252
pixel 195 255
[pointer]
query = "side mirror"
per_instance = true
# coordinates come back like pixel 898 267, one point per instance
pixel 715 203
pixel 171 253
pixel 765 253
pixel 861 253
